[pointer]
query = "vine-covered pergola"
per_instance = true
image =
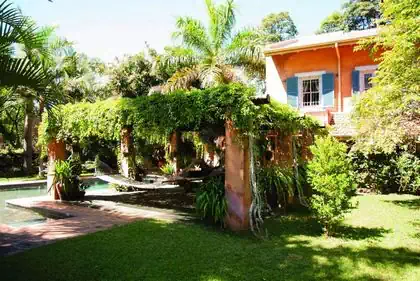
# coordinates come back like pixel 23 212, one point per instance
pixel 157 117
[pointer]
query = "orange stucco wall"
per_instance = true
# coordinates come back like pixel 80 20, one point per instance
pixel 324 59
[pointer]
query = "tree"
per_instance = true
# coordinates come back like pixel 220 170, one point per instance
pixel 388 115
pixel 278 27
pixel 354 15
pixel 331 181
pixel 332 23
pixel 213 55
pixel 21 65
pixel 82 78
pixel 133 77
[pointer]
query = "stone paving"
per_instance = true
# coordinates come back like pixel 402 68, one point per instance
pixel 81 219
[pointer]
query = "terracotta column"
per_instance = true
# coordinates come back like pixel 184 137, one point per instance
pixel 307 141
pixel 128 157
pixel 56 151
pixel 284 152
pixel 237 180
pixel 174 141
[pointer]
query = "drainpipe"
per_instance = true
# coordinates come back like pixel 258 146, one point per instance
pixel 339 76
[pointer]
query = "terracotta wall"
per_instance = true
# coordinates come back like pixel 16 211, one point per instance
pixel 324 60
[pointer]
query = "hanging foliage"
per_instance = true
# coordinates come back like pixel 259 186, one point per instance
pixel 155 117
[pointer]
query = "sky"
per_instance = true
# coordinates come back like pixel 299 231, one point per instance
pixel 111 28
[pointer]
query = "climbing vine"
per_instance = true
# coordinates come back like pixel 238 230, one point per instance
pixel 154 117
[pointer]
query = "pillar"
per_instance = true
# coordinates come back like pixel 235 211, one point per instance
pixel 56 151
pixel 174 142
pixel 284 151
pixel 307 141
pixel 237 180
pixel 128 156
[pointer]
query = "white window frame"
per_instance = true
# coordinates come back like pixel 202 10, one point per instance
pixel 366 69
pixel 300 89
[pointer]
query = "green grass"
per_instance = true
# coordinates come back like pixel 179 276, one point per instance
pixel 34 178
pixel 379 241
pixel 30 178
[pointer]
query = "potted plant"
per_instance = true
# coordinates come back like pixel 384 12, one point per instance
pixel 67 182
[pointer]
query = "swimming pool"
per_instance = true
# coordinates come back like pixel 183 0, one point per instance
pixel 13 216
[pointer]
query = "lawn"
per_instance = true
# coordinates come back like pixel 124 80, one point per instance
pixel 380 240
pixel 31 178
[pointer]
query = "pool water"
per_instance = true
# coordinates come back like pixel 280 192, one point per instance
pixel 14 216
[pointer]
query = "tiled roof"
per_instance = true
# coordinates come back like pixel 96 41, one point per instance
pixel 319 40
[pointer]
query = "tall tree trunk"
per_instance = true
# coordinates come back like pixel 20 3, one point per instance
pixel 27 137
pixel 40 162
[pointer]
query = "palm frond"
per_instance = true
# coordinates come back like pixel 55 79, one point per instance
pixel 212 75
pixel 20 72
pixel 224 23
pixel 177 56
pixel 246 50
pixel 183 79
pixel 193 34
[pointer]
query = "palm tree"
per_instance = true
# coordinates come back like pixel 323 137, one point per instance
pixel 27 58
pixel 17 30
pixel 213 55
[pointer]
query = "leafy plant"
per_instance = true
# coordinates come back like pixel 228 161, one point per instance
pixel 281 179
pixel 211 201
pixel 67 181
pixel 376 171
pixel 409 173
pixel 168 169
pixel 387 116
pixel 122 188
pixel 329 174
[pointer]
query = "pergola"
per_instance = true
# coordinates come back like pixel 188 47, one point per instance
pixel 232 107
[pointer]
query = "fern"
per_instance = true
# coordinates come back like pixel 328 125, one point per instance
pixel 211 202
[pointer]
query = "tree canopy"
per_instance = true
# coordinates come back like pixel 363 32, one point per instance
pixel 354 15
pixel 278 27
pixel 388 115
pixel 133 77
pixel 210 55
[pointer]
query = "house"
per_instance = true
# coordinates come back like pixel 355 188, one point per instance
pixel 320 74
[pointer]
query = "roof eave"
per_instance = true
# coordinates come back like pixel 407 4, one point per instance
pixel 285 50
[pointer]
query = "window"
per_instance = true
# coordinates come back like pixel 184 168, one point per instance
pixel 310 88
pixel 366 73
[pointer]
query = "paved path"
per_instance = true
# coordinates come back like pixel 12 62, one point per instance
pixel 82 218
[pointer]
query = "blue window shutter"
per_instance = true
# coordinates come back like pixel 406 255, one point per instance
pixel 292 91
pixel 328 89
pixel 355 81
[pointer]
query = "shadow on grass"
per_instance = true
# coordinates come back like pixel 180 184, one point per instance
pixel 303 224
pixel 359 233
pixel 411 204
pixel 150 250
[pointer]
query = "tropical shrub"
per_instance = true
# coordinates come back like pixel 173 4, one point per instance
pixel 376 171
pixel 387 172
pixel 274 182
pixel 122 188
pixel 168 169
pixel 409 173
pixel 329 174
pixel 211 201
pixel 67 181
